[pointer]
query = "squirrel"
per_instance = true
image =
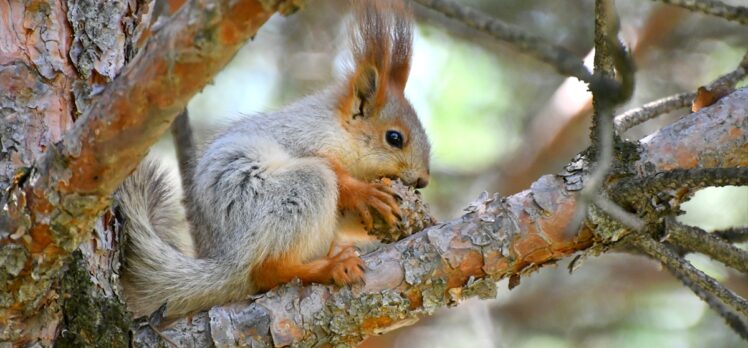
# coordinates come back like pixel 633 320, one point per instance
pixel 268 193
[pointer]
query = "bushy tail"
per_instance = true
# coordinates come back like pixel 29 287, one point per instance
pixel 155 271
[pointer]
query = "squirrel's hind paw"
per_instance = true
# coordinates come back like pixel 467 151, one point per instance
pixel 347 268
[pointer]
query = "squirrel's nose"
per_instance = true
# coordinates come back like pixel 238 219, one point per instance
pixel 422 182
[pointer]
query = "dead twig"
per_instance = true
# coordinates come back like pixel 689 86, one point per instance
pixel 565 62
pixel 682 269
pixel 733 235
pixel 713 7
pixel 731 318
pixel 610 57
pixel 692 238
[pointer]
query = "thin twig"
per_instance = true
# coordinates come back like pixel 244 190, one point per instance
pixel 733 235
pixel 565 62
pixel 733 319
pixel 653 109
pixel 695 239
pixel 610 55
pixel 185 148
pixel 682 268
pixel 614 210
pixel 715 8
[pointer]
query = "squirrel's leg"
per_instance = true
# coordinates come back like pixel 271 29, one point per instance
pixel 341 268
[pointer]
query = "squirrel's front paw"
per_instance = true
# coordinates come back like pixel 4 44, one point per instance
pixel 347 268
pixel 360 196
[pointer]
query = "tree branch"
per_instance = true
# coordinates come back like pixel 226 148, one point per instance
pixel 733 235
pixel 648 111
pixel 685 270
pixel 565 62
pixel 732 318
pixel 715 8
pixel 53 207
pixel 681 183
pixel 695 239
pixel 726 83
pixel 705 141
pixel 496 238
pixel 610 57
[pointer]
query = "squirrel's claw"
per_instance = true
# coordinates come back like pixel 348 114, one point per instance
pixel 365 214
pixel 383 200
pixel 348 268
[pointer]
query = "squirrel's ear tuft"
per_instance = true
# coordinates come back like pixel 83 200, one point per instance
pixel 381 38
pixel 402 45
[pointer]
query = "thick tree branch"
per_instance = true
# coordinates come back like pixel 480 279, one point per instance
pixel 52 207
pixel 497 238
pixel 707 140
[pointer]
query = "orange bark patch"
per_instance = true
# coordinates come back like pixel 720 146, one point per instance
pixel 735 133
pixel 539 256
pixel 374 323
pixel 554 226
pixel 40 237
pixel 228 33
pixel 495 263
pixel 528 244
pixel 415 298
pixel 471 265
pixel 704 98
pixel 685 158
pixel 290 327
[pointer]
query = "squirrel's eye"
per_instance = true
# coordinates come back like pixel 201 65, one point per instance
pixel 394 138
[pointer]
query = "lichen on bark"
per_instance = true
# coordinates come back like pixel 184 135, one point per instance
pixel 90 320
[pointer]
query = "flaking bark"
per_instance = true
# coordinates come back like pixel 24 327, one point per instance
pixel 122 80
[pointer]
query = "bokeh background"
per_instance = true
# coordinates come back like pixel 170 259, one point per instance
pixel 498 119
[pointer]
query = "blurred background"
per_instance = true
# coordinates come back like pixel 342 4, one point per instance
pixel 498 119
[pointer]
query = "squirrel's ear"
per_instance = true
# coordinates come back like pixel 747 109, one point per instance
pixel 365 93
pixel 365 85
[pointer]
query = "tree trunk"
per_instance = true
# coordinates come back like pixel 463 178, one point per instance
pixel 58 63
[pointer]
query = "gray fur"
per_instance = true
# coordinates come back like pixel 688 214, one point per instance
pixel 155 272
